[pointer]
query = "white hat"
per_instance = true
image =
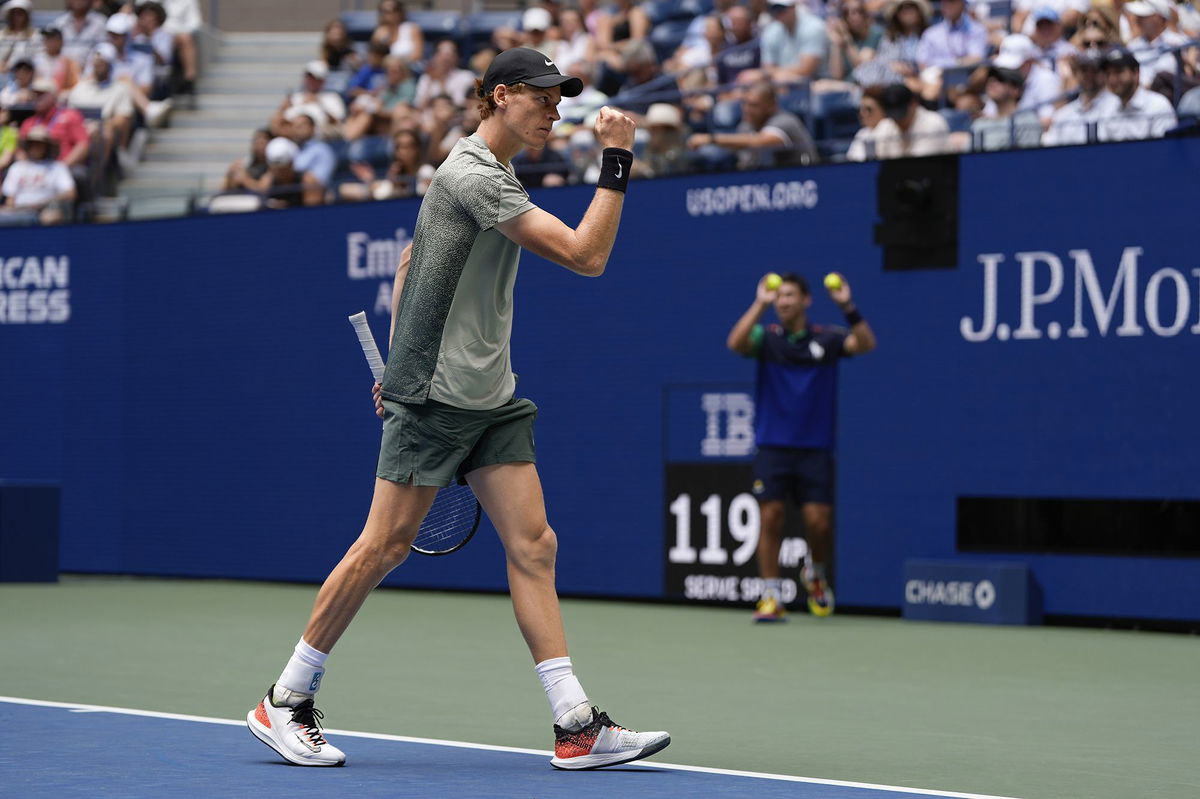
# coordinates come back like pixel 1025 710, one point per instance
pixel 281 151
pixel 1015 50
pixel 782 3
pixel 536 19
pixel 309 110
pixel 11 4
pixel 1149 8
pixel 664 114
pixel 43 86
pixel 106 51
pixel 317 68
pixel 120 24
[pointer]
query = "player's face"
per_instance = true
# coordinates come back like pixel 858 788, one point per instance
pixel 790 302
pixel 531 114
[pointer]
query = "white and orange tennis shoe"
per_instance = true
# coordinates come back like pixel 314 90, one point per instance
pixel 603 743
pixel 294 731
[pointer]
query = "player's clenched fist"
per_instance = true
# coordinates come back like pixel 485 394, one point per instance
pixel 614 129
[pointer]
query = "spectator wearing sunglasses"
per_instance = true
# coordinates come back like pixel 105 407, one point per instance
pixel 1074 122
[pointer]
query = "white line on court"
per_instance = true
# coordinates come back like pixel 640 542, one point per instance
pixel 81 708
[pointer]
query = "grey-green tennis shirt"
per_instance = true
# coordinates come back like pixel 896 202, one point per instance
pixel 451 337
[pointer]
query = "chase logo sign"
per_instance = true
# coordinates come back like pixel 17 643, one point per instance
pixel 970 591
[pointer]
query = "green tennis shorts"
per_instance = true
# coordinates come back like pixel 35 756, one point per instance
pixel 433 444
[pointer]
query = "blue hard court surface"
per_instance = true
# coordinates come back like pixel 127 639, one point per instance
pixel 68 751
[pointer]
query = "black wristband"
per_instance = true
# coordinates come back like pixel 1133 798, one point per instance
pixel 614 169
pixel 853 317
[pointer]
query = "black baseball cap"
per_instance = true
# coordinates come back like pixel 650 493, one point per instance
pixel 897 99
pixel 528 66
pixel 1118 58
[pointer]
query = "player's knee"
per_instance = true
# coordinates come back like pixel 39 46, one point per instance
pixel 385 550
pixel 536 552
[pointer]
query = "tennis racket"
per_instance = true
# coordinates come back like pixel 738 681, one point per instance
pixel 454 516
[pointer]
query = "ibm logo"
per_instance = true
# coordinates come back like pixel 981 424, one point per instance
pixel 729 425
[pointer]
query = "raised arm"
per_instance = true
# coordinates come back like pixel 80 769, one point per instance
pixel 862 337
pixel 586 248
pixel 739 336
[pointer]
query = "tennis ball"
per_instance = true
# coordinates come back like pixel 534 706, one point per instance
pixel 833 281
pixel 774 281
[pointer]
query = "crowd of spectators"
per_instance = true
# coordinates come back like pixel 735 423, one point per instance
pixel 724 84
pixel 79 95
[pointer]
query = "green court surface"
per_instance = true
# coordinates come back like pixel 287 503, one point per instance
pixel 1018 712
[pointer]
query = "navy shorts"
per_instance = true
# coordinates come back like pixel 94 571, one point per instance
pixel 801 475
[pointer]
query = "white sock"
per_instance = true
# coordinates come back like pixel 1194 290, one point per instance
pixel 303 672
pixel 771 591
pixel 568 703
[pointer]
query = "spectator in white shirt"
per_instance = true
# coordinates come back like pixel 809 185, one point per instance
pixel 1140 113
pixel 954 41
pixel 183 22
pixel 38 186
pixel 870 114
pixel 443 76
pixel 1004 124
pixel 100 92
pixel 1155 39
pixel 313 93
pixel 82 29
pixel 908 129
pixel 18 38
pixel 1042 86
pixel 1074 123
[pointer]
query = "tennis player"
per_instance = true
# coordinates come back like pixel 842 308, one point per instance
pixel 449 410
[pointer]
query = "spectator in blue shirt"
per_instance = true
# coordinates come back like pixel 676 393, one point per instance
pixel 794 44
pixel 315 157
pixel 371 75
pixel 955 41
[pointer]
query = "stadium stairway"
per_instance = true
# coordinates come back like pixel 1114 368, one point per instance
pixel 240 88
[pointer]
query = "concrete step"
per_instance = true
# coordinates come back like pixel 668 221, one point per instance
pixel 242 122
pixel 178 136
pixel 249 71
pixel 229 100
pixel 188 172
pixel 190 152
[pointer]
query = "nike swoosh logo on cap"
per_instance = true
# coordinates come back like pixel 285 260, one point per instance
pixel 549 63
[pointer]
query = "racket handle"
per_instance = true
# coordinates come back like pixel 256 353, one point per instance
pixel 367 341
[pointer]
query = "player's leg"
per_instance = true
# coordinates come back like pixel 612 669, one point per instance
pixel 286 719
pixel 396 513
pixel 772 486
pixel 511 495
pixel 817 491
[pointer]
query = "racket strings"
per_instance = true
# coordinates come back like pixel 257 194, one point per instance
pixel 450 522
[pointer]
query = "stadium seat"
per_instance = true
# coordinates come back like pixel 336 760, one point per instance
pixel 374 150
pixel 438 24
pixel 359 24
pixel 41 20
pixel 959 121
pixel 337 80
pixel 477 28
pixel 662 10
pixel 694 8
pixel 798 100
pixel 835 115
pixel 667 36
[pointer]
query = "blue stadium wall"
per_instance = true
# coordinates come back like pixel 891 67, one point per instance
pixel 196 390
